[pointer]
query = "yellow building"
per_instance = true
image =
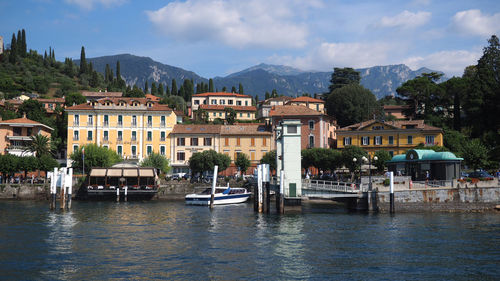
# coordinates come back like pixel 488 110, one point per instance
pixel 252 139
pixel 214 104
pixel 396 137
pixel 219 111
pixel 315 104
pixel 133 127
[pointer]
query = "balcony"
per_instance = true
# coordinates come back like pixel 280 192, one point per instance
pixel 134 124
pixel 76 138
pixel 106 123
pixel 76 123
pixel 120 124
pixel 162 139
pixel 150 124
pixel 163 124
pixel 89 139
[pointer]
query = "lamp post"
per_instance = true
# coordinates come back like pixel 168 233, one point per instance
pixel 375 158
pixel 360 162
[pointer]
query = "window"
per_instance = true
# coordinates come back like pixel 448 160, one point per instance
pixel 134 151
pixel 365 140
pixel 120 136
pixel 391 139
pixel 89 135
pixel 226 141
pixel 150 121
pixel 391 153
pixel 264 141
pixel 76 135
pixel 220 114
pixel 162 150
pixel 236 153
pixel 120 120
pixel 106 120
pixel 215 113
pixel 429 140
pixel 237 141
pixel 347 141
pixel 311 141
pixel 134 121
pixel 377 127
pixel 134 136
pixel 311 125
pixel 238 102
pixel 90 120
pixel 252 155
pixel 214 101
pixel 248 114
pixel 119 150
pixel 76 122
pixel 196 102
pixel 194 141
pixel 230 102
pixel 377 140
pixel 162 122
pixel 150 136
pixel 410 139
pixel 246 103
pixel 317 107
pixel 252 141
pixel 75 148
pixel 410 126
pixel 207 141
pixel 292 129
pixel 105 136
pixel 222 102
pixel 149 150
pixel 162 136
pixel 181 156
pixel 241 114
pixel 181 141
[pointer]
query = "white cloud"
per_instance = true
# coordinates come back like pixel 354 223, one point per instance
pixel 89 4
pixel 240 24
pixel 450 62
pixel 475 23
pixel 405 20
pixel 329 55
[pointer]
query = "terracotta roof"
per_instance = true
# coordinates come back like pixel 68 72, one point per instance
pixel 196 129
pixel 60 100
pixel 12 101
pixel 23 120
pixel 116 101
pixel 89 94
pixel 396 106
pixel 307 99
pixel 293 110
pixel 152 97
pixel 419 124
pixel 246 129
pixel 282 98
pixel 222 107
pixel 222 94
pixel 179 113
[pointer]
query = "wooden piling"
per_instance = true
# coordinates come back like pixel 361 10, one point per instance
pixel 62 198
pixel 126 189
pixel 117 194
pixel 391 196
pixel 214 182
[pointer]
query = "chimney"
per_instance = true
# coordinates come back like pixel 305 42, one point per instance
pixel 24 115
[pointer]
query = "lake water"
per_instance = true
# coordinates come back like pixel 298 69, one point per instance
pixel 168 240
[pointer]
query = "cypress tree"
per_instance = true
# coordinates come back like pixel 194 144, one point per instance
pixel 241 89
pixel 94 80
pixel 167 91
pixel 90 68
pixel 160 89
pixel 118 72
pixel 106 73
pixel 19 43
pixel 182 92
pixel 146 88
pixel 13 49
pixel 23 44
pixel 224 89
pixel 174 88
pixel 211 85
pixel 233 89
pixel 154 91
pixel 83 61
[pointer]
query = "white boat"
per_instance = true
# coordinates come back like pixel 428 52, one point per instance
pixel 223 195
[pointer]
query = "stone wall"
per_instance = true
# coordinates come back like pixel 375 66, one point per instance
pixel 24 192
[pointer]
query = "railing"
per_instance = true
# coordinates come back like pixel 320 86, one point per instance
pixel 337 186
pixel 431 184
pixel 76 123
pixel 120 124
pixel 134 124
pixel 163 124
pixel 105 123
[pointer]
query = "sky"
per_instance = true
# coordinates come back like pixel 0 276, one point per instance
pixel 219 37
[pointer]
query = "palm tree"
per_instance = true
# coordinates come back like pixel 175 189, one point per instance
pixel 39 146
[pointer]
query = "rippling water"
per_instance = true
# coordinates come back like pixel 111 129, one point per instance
pixel 168 240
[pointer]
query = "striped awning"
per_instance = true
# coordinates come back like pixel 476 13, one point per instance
pixel 98 173
pixel 146 172
pixel 114 172
pixel 130 172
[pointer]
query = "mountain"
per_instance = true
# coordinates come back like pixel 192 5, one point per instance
pixel 259 79
pixel 136 70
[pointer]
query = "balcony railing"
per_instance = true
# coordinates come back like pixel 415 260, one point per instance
pixel 106 123
pixel 120 124
pixel 162 139
pixel 163 124
pixel 150 124
pixel 134 124
pixel 76 138
pixel 76 123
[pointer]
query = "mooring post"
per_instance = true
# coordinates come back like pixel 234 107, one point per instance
pixel 70 186
pixel 126 189
pixel 214 181
pixel 62 174
pixel 266 192
pixel 53 189
pixel 260 171
pixel 282 194
pixel 117 194
pixel 391 196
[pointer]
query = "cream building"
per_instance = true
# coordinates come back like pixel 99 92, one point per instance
pixel 133 127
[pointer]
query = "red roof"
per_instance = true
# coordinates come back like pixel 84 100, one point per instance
pixel 222 107
pixel 221 94
pixel 293 110
pixel 419 124
pixel 116 101
pixel 306 99
pixel 23 120
pixel 152 97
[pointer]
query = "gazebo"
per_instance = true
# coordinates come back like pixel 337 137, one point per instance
pixel 423 164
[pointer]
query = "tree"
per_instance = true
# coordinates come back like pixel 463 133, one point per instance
pixel 210 85
pixel 83 61
pixel 160 90
pixel 24 47
pixel 240 91
pixel 322 158
pixel 47 163
pixel 8 164
pixel 156 161
pixel 475 154
pixel 351 152
pixel 34 110
pixel 269 158
pixel 455 88
pixel 74 99
pixel 242 162
pixel 352 104
pixel 174 88
pixel 95 156
pixel 27 164
pixel 39 145
pixel 382 157
pixel 13 49
pixel 154 90
pixel 146 88
pixel 230 115
pixel 342 77
pixel 205 161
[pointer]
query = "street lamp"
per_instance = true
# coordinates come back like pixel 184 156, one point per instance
pixel 375 158
pixel 360 162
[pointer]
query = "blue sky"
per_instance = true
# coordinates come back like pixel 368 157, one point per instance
pixel 218 37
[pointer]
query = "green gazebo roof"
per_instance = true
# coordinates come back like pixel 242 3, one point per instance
pixel 425 155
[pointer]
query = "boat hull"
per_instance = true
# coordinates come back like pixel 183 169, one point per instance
pixel 219 199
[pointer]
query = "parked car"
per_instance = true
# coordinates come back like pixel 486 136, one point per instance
pixel 177 176
pixel 480 174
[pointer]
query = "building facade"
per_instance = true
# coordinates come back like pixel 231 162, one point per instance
pixel 245 113
pixel 318 129
pixel 315 104
pixel 396 137
pixel 264 107
pixel 15 135
pixel 133 127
